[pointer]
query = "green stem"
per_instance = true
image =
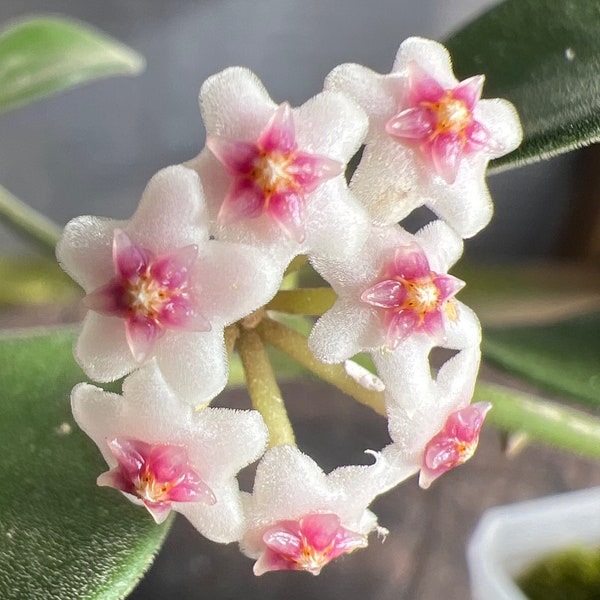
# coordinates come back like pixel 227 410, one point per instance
pixel 29 221
pixel 263 388
pixel 548 422
pixel 303 301
pixel 294 344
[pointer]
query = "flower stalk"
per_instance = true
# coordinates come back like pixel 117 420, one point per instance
pixel 295 345
pixel 263 389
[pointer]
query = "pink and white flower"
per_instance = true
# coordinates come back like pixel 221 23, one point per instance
pixel 430 137
pixel 157 474
pixel 299 518
pixel 166 456
pixel 274 175
pixel 433 425
pixel 159 288
pixel 306 544
pixel 394 291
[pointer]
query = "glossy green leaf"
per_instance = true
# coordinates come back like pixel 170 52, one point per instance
pixel 61 536
pixel 42 56
pixel 563 357
pixel 33 281
pixel 544 56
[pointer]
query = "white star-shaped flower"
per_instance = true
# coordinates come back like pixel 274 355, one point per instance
pixel 158 287
pixel 166 456
pixel 392 295
pixel 274 175
pixel 430 137
pixel 299 518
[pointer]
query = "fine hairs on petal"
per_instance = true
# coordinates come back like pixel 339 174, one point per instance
pixel 172 293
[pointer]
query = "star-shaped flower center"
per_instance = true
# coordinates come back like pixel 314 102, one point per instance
pixel 456 443
pixel 151 293
pixel 440 122
pixel 271 176
pixel 307 544
pixel 157 474
pixel 412 296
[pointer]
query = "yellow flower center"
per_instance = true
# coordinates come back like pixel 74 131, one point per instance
pixel 422 297
pixel 145 296
pixel 312 561
pixel 453 116
pixel 271 173
pixel 150 490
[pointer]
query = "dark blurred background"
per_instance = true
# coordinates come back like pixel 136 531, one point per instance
pixel 93 149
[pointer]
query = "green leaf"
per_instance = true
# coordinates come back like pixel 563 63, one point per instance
pixel 540 420
pixel 34 281
pixel 544 56
pixel 42 56
pixel 61 536
pixel 563 357
pixel 535 294
pixel 27 221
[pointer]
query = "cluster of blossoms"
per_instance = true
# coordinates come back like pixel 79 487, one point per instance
pixel 174 291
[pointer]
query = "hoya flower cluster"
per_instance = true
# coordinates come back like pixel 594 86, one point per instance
pixel 176 290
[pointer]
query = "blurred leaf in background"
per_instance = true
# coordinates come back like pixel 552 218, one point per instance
pixel 43 56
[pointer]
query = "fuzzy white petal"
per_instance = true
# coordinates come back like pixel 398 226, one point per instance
pixel 337 224
pixel 370 89
pixel 441 244
pixel 234 280
pixel 431 56
pixel 330 124
pixel 234 103
pixel 101 349
pixel 466 204
pixel 85 250
pixel 194 363
pixel 290 485
pixel 171 213
pixel 219 442
pixel 501 119
pixel 343 331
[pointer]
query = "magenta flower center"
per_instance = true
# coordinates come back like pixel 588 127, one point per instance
pixel 456 442
pixel 157 474
pixel 271 176
pixel 307 544
pixel 151 293
pixel 412 297
pixel 440 122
